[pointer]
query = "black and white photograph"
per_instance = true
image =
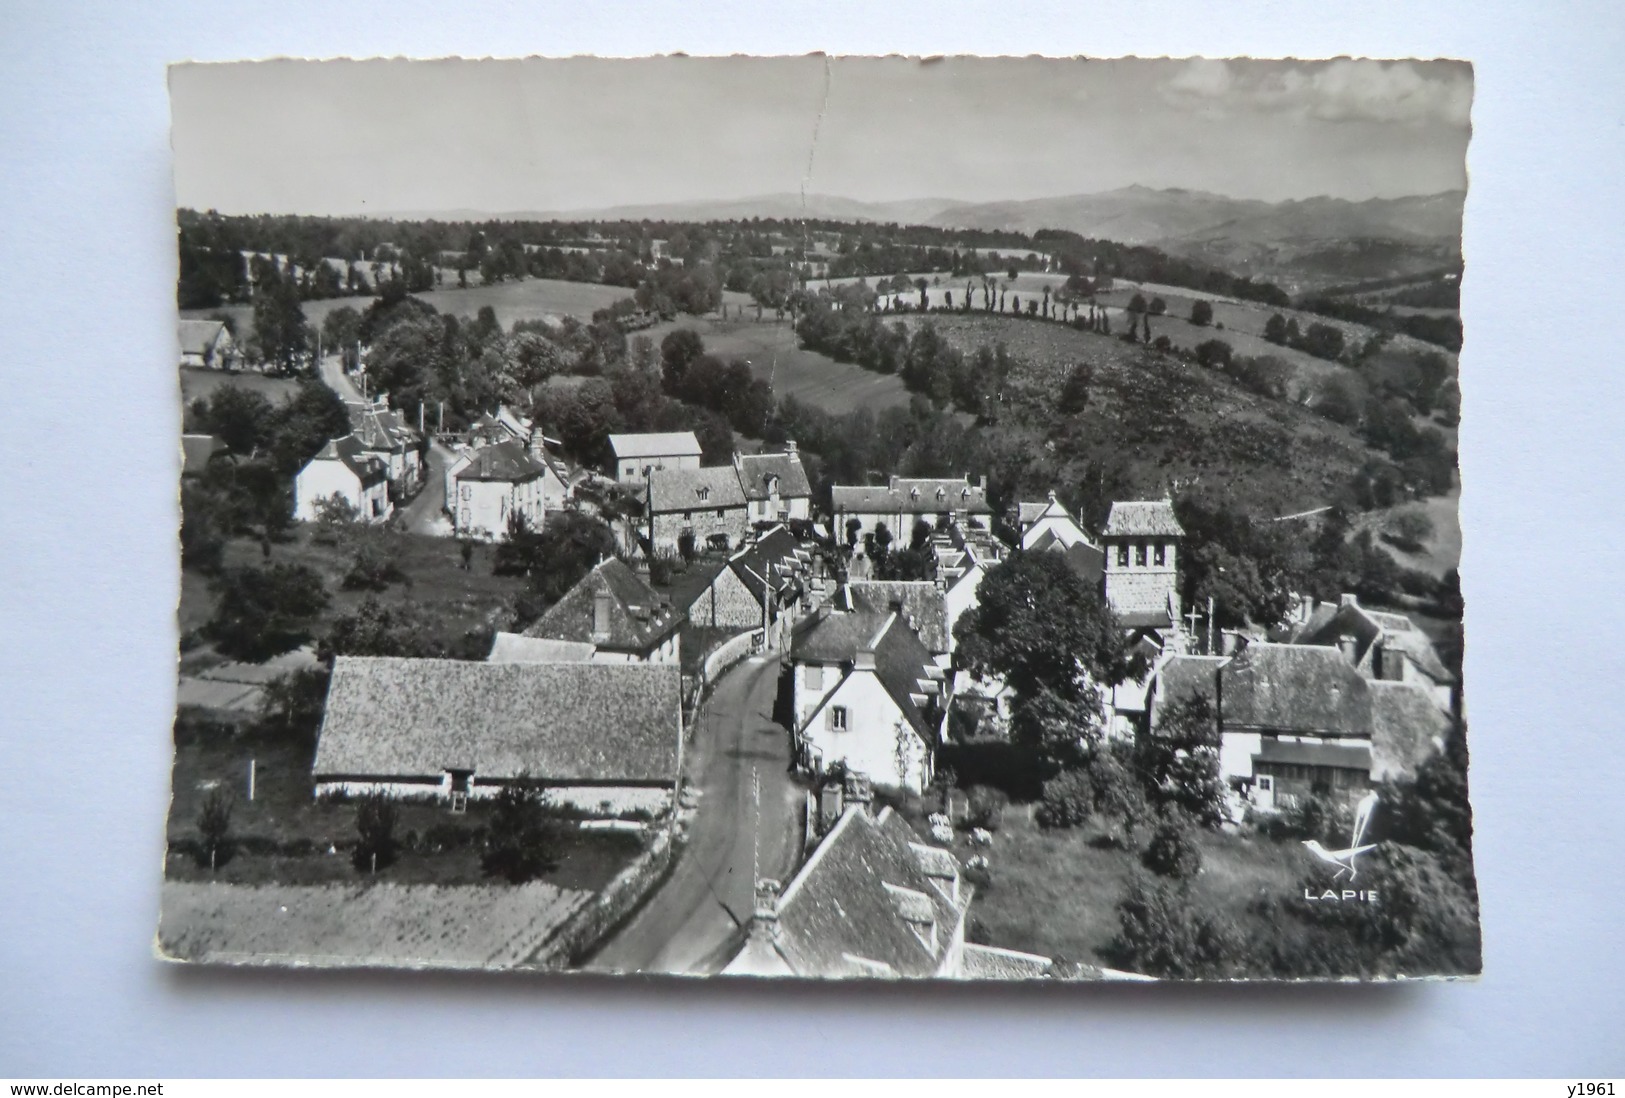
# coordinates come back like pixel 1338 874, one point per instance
pixel 822 518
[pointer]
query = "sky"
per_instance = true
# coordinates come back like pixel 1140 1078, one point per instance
pixel 541 135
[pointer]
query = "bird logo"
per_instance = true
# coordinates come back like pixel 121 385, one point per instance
pixel 1344 859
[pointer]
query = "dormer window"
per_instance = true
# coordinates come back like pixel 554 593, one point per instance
pixel 942 493
pixel 913 493
pixel 703 493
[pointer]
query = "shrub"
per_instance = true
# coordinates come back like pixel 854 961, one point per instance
pixel 1161 932
pixel 214 827
pixel 1068 799
pixel 375 825
pixel 371 570
pixel 986 807
pixel 977 872
pixel 1173 852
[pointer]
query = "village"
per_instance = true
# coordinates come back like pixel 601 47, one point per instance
pixel 759 729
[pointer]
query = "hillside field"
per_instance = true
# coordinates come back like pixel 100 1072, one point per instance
pixel 775 356
pixel 1172 423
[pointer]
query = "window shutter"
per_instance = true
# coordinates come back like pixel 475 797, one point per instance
pixel 829 717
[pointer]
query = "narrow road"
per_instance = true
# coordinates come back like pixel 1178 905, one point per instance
pixel 426 513
pixel 748 821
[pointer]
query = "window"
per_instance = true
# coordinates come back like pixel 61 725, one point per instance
pixel 722 514
pixel 1161 553
pixel 468 491
pixel 1122 556
pixel 815 676
pixel 688 516
pixel 704 493
pixel 837 718
pixel 1139 555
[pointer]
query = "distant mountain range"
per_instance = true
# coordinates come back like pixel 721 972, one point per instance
pixel 1130 215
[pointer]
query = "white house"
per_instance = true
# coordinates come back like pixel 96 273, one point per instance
pixel 384 434
pixel 1049 528
pixel 635 454
pixel 485 487
pixel 866 694
pixel 207 343
pixel 600 738
pixel 345 470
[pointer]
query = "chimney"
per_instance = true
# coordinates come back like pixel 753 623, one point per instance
pixel 600 614
pixel 764 924
pixel 1345 645
pixel 856 790
pixel 1347 600
pixel 1306 608
pixel 1052 495
pixel 790 446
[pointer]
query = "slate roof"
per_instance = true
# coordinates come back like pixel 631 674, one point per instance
pixel 675 490
pixel 197 336
pixel 196 450
pixel 1142 518
pixel 518 648
pixel 898 497
pixel 924 606
pixel 655 444
pixel 1328 623
pixel 639 619
pixel 905 668
pixel 378 428
pixel 1182 677
pixel 559 722
pixel 1296 689
pixel 1087 561
pixel 775 557
pixel 835 637
pixel 349 450
pixel 755 469
pixel 508 462
pixel 983 962
pixel 1407 726
pixel 838 917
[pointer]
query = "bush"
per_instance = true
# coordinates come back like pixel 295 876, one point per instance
pixel 1173 852
pixel 371 570
pixel 214 828
pixel 1161 932
pixel 375 825
pixel 1068 799
pixel 986 807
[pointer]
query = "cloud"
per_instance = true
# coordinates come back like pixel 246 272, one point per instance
pixel 1332 91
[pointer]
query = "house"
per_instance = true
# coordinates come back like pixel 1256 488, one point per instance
pixel 760 587
pixel 1381 645
pixel 617 613
pixel 345 470
pixel 866 693
pixel 593 736
pixel 484 487
pixel 207 343
pixel 636 455
pixel 860 510
pixel 707 504
pixel 1141 543
pixel 775 485
pixel 873 901
pixel 1049 528
pixel 923 605
pixel 502 425
pixel 1300 720
pixel 197 451
pixel 384 434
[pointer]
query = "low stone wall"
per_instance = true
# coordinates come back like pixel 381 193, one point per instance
pixel 728 653
pixel 588 925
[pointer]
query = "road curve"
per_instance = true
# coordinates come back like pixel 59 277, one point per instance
pixel 748 820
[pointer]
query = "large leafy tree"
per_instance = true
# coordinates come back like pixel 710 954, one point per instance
pixel 1179 760
pixel 279 321
pixel 264 612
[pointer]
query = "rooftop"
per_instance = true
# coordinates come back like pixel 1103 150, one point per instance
pixel 369 470
pixel 756 469
pixel 1142 518
pixel 917 496
pixel 709 487
pixel 639 619
pixel 508 462
pixel 1295 688
pixel 655 444
pixel 197 336
pixel 923 604
pixel 571 722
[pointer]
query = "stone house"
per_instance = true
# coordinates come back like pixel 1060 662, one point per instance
pixel 1380 644
pixel 762 586
pixel 600 738
pixel 902 502
pixel 707 503
pixel 775 485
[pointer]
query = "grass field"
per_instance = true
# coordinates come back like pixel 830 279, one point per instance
pixel 1174 424
pixel 452 600
pixel 1055 893
pixel 774 355
pixel 197 382
pixel 1442 551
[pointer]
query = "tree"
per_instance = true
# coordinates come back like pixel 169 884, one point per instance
pixel 1162 932
pixel 293 703
pixel 1172 851
pixel 1158 306
pixel 214 825
pixel 375 818
pixel 341 332
pixel 279 322
pixel 241 418
pixel 1201 313
pixel 1180 760
pixel 880 541
pixel 377 629
pixel 1136 304
pixel 521 843
pixel 572 543
pixel 263 612
pixel 1074 397
pixel 1275 328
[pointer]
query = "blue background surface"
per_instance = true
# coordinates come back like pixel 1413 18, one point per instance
pixel 88 425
